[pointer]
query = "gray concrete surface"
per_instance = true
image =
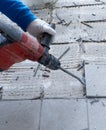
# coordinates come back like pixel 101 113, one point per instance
pixel 97 114
pixel 19 115
pixel 65 105
pixel 64 115
pixel 95 80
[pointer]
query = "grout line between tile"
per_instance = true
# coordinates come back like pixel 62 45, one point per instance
pixel 39 126
pixel 87 114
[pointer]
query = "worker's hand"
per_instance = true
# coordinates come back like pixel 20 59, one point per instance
pixel 38 27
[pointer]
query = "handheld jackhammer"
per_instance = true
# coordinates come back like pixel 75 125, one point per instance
pixel 17 46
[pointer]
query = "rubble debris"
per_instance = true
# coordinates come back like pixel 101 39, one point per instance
pixel 94 101
pixel 17 78
pixel 62 21
pixel 86 24
pixel 45 75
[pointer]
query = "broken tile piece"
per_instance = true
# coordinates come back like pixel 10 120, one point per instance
pixel 95 80
pixel 96 114
pixel 64 115
pixel 19 115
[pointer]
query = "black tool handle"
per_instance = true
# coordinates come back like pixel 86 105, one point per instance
pixel 47 39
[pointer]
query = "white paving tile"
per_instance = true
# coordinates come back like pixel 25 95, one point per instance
pixel 72 3
pixel 62 85
pixel 95 80
pixel 84 13
pixel 67 34
pixel 44 14
pixel 71 59
pixel 66 20
pixel 95 53
pixel 19 81
pixel 97 114
pixel 64 115
pixel 19 115
pixel 70 22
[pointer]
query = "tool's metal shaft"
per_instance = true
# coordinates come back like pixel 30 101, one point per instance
pixel 82 82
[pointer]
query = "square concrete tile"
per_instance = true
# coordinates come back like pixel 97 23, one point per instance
pixel 66 20
pixel 95 80
pixel 44 14
pixel 95 53
pixel 58 84
pixel 62 85
pixel 64 115
pixel 19 81
pixel 19 115
pixel 75 3
pixel 97 114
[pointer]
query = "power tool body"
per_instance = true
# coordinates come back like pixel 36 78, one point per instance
pixel 17 46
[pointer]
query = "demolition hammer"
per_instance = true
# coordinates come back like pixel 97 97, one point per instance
pixel 16 46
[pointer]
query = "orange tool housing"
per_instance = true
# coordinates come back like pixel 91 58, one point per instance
pixel 26 48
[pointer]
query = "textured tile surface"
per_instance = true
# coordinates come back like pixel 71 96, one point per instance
pixel 19 82
pixel 64 115
pixel 77 3
pixel 81 25
pixel 95 80
pixel 95 53
pixel 86 22
pixel 62 85
pixel 97 114
pixel 19 115
pixel 59 84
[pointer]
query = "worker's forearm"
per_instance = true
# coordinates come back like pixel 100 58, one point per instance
pixel 17 12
